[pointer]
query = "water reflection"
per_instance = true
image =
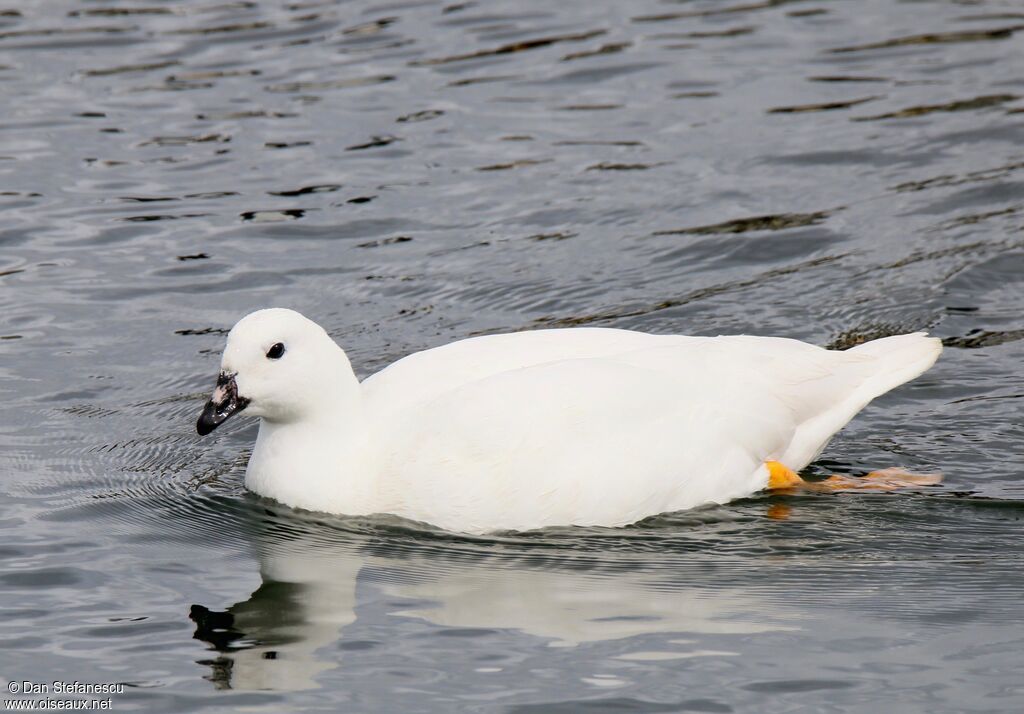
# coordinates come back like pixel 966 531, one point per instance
pixel 313 581
pixel 862 591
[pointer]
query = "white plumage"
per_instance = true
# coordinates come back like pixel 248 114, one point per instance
pixel 583 426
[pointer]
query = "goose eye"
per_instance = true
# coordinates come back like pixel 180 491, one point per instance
pixel 276 351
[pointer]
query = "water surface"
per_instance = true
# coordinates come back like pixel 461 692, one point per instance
pixel 409 173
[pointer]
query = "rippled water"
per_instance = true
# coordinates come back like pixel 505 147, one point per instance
pixel 413 172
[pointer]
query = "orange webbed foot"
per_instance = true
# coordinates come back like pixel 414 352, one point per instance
pixel 891 479
pixel 782 478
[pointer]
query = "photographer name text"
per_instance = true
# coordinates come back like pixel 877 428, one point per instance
pixel 59 687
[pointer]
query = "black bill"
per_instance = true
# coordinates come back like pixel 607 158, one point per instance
pixel 224 403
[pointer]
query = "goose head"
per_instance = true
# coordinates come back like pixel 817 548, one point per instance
pixel 278 365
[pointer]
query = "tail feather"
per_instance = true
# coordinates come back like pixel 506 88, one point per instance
pixel 898 359
pixel 882 365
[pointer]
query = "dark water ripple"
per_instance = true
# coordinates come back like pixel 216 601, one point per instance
pixel 412 173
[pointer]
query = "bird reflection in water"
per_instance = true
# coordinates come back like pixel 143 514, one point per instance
pixel 566 589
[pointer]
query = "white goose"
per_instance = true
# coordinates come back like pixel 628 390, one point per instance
pixel 583 426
